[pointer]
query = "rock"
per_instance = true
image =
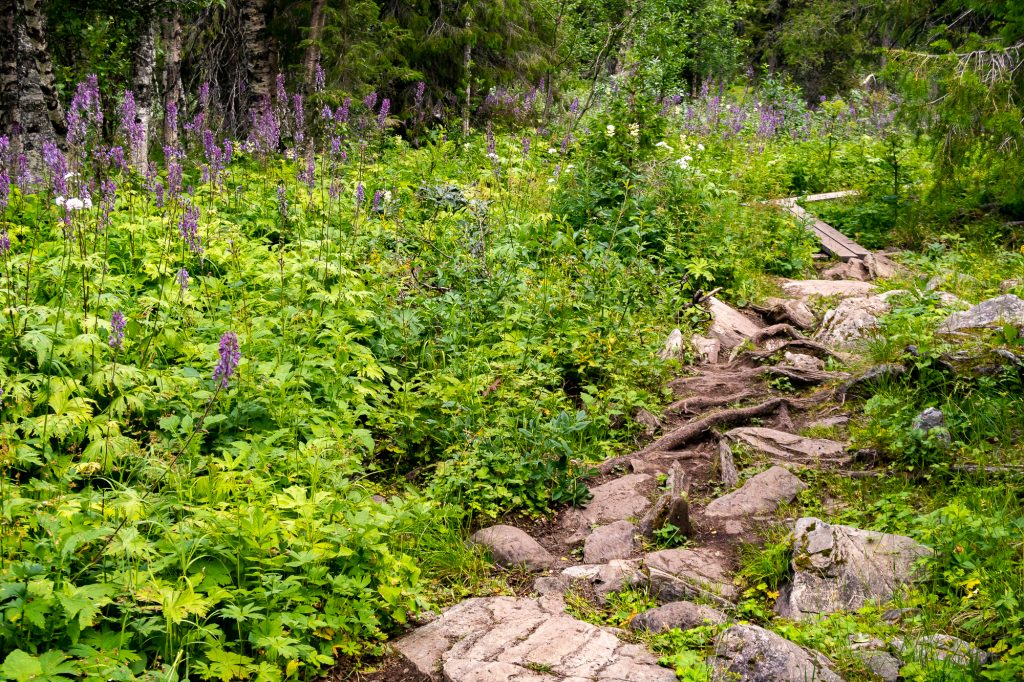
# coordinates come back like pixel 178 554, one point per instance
pixel 547 585
pixel 831 422
pixel 880 266
pixel 728 326
pixel 727 465
pixel 510 546
pixel 676 574
pixel 760 495
pixel 854 268
pixel 850 321
pixel 607 578
pixel 788 310
pixel 707 350
pixel 949 300
pixel 941 648
pixel 684 615
pixel 897 615
pixel 620 499
pixel 993 313
pixel 802 361
pixel 523 640
pixel 650 423
pixel 933 421
pixel 882 664
pixel 787 446
pixel 673 348
pixel 747 653
pixel 823 288
pixel 672 508
pixel 615 541
pixel 840 568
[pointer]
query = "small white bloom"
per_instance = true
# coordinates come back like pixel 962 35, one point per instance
pixel 492 156
pixel 87 202
pixel 684 162
pixel 700 147
pixel 387 196
pixel 74 204
pixel 466 145
pixel 552 150
pixel 570 166
pixel 665 145
pixel 551 181
pixel 69 175
pixel 634 130
pixel 60 201
pixel 609 131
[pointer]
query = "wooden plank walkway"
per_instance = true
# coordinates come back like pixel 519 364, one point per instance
pixel 832 241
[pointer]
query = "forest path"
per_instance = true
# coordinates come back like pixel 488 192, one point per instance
pixel 760 384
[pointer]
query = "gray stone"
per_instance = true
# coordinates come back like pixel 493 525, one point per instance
pixel 788 447
pixel 788 310
pixel 760 495
pixel 850 321
pixel 673 348
pixel 839 420
pixel 614 541
pixel 647 420
pixel 672 508
pixel 547 585
pixel 823 288
pixel 993 313
pixel 684 615
pixel 941 648
pixel 1008 285
pixel 933 421
pixel 511 639
pixel 882 664
pixel 729 326
pixel 614 576
pixel 803 361
pixel 707 350
pixel 839 568
pixel 747 653
pixel 854 268
pixel 510 546
pixel 677 574
pixel 620 499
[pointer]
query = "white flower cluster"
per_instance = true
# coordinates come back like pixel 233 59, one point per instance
pixel 74 203
pixel 686 159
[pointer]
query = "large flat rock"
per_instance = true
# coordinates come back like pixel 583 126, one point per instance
pixel 823 288
pixel 788 447
pixel 840 568
pixel 511 546
pixel 747 653
pixel 678 574
pixel 761 494
pixel 993 313
pixel 850 321
pixel 620 499
pixel 614 541
pixel 729 326
pixel 684 615
pixel 510 639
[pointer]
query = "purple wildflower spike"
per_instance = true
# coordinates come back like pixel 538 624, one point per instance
pixel 117 324
pixel 229 358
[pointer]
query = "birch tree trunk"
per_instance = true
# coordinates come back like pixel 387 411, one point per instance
pixel 40 115
pixel 255 47
pixel 467 64
pixel 143 63
pixel 8 67
pixel 172 74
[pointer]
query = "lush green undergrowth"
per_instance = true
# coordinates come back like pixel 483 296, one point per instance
pixel 252 401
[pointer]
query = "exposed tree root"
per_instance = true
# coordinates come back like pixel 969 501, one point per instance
pixel 701 402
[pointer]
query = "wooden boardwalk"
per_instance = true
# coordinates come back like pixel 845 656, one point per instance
pixel 833 241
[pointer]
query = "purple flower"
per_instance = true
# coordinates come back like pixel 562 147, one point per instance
pixel 117 323
pixel 341 115
pixel 84 108
pixel 188 226
pixel 5 188
pixel 319 78
pixel 182 279
pixel 370 100
pixel 158 194
pixel 300 118
pixel 204 94
pixel 360 194
pixel 382 117
pixel 421 88
pixel 54 160
pixel 108 196
pixel 266 129
pixel 282 94
pixel 326 113
pixel 526 146
pixel 5 243
pixel 130 125
pixel 575 106
pixel 308 175
pixel 377 196
pixel 229 358
pixel 282 200
pixel 171 119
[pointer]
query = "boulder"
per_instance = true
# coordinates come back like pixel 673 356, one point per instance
pixel 684 615
pixel 614 541
pixel 991 314
pixel 840 568
pixel 836 421
pixel 788 447
pixel 614 576
pixel 512 547
pixel 941 648
pixel 676 574
pixel 789 311
pixel 932 421
pixel 673 348
pixel 854 268
pixel 760 495
pixel 729 326
pixel 823 288
pixel 707 350
pixel 747 653
pixel 647 420
pixel 803 361
pixel 620 499
pixel 520 639
pixel 882 664
pixel 850 321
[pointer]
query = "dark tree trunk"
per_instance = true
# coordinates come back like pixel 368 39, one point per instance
pixel 8 67
pixel 143 63
pixel 172 74
pixel 316 30
pixel 255 47
pixel 40 116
